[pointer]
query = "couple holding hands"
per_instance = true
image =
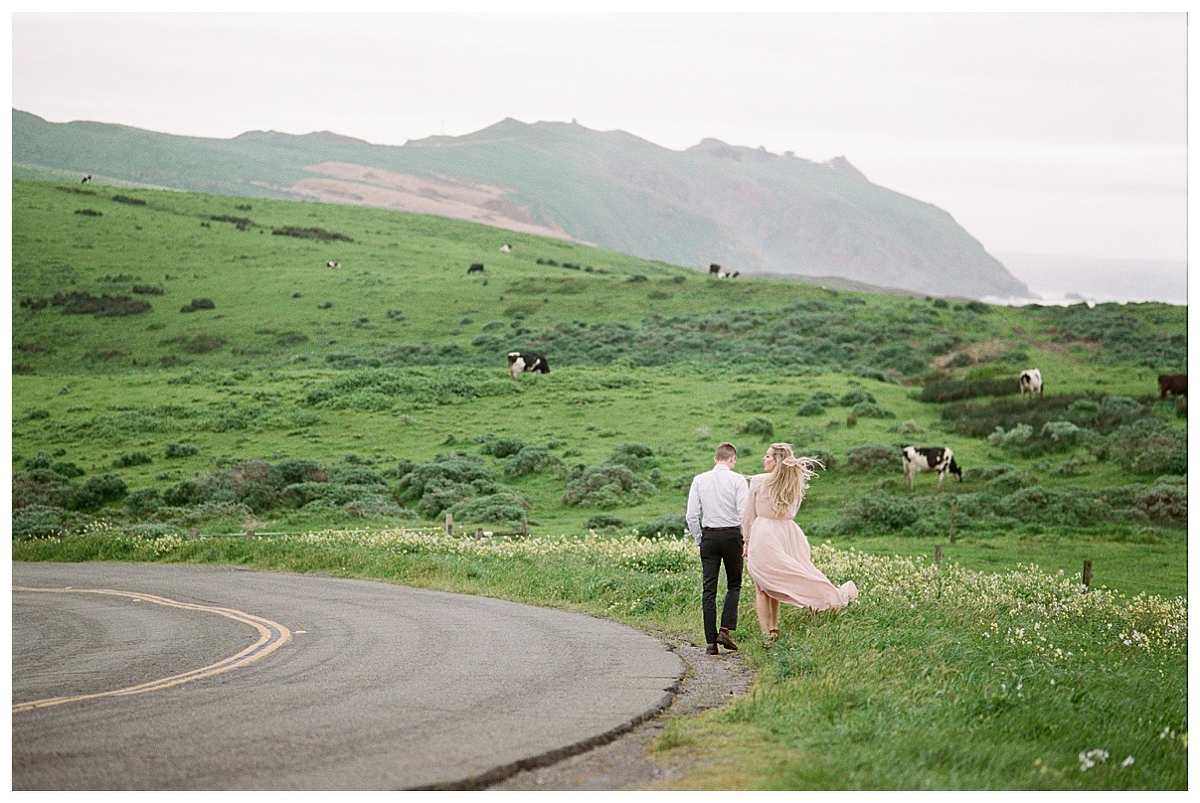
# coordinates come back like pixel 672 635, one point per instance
pixel 731 521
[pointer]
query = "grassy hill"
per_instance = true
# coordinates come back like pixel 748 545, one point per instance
pixel 187 363
pixel 746 209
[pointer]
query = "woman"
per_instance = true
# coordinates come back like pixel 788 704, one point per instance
pixel 778 554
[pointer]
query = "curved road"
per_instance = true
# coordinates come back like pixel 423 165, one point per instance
pixel 199 677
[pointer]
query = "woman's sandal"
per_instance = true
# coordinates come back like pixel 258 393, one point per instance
pixel 772 635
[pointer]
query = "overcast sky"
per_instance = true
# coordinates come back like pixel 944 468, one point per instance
pixel 1040 133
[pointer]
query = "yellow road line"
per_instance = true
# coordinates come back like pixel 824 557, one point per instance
pixel 271 636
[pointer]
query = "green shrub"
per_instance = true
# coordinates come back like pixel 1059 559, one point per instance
pixel 871 410
pixel 498 508
pixel 97 491
pixel 39 461
pixel 37 413
pixel 854 397
pixel 824 455
pixel 445 481
pixel 181 450
pixel 909 427
pixel 958 389
pixel 758 426
pixel 871 458
pixel 132 459
pixel 1120 406
pixel 143 501
pixel 668 524
pixel 1018 435
pixel 68 470
pixel 43 521
pixel 41 487
pixel 811 408
pixel 604 523
pixel 879 512
pixel 1011 481
pixel 530 460
pixel 1149 446
pixel 634 456
pixel 606 486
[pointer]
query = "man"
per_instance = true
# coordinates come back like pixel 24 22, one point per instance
pixel 714 517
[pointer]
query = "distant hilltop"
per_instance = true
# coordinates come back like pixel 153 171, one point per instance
pixel 746 209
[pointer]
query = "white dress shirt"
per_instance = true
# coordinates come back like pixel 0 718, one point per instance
pixel 719 497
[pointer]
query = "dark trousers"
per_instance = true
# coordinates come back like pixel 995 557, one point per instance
pixel 719 544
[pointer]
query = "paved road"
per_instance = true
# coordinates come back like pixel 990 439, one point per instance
pixel 306 682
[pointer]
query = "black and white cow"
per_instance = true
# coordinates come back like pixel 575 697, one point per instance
pixel 714 269
pixel 1031 381
pixel 929 458
pixel 506 249
pixel 333 265
pixel 519 361
pixel 87 179
pixel 476 267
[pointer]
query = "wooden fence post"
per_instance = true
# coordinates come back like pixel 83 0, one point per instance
pixel 1087 574
pixel 450 525
pixel 953 518
pixel 193 534
pixel 937 554
pixel 478 533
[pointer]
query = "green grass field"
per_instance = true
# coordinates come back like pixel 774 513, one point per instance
pixel 372 371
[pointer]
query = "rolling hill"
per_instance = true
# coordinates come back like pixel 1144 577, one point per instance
pixel 746 209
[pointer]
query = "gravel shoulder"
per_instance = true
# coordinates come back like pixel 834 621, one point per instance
pixel 629 761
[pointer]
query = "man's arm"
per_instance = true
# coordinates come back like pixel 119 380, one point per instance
pixel 693 510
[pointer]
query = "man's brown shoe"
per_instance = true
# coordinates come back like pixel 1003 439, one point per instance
pixel 725 641
pixel 711 649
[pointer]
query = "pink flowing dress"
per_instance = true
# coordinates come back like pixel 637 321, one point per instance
pixel 779 557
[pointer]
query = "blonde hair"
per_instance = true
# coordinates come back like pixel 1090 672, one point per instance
pixel 786 484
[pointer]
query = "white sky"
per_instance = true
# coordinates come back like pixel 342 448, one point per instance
pixel 1041 133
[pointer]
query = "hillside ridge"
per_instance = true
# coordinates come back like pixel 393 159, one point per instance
pixel 745 208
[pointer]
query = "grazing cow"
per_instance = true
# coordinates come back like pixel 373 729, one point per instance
pixel 929 458
pixel 1172 383
pixel 333 265
pixel 1031 381
pixel 714 269
pixel 87 179
pixel 506 249
pixel 476 267
pixel 519 361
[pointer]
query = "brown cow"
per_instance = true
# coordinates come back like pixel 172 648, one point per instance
pixel 1172 383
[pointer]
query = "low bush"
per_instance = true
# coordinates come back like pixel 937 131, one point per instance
pixel 498 508
pixel 181 450
pixel 604 523
pixel 132 459
pixel 871 458
pixel 310 233
pixel 198 304
pixel 143 501
pixel 125 199
pixel 668 524
pixel 606 486
pixel 147 290
pixel 530 460
pixel 871 410
pixel 958 389
pixel 1149 446
pixel 811 408
pixel 503 447
pixel 828 461
pixel 102 306
pixel 758 426
pixel 856 396
pixel 445 481
pixel 634 456
pixel 879 512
